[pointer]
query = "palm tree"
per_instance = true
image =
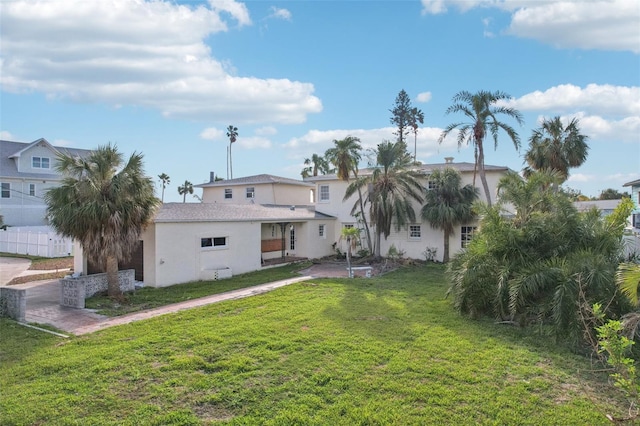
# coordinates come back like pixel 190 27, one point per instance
pixel 345 156
pixel 232 134
pixel 415 116
pixel 103 203
pixel 448 204
pixel 186 188
pixel 165 179
pixel 317 164
pixel 555 147
pixel 481 109
pixel 351 237
pixel 391 188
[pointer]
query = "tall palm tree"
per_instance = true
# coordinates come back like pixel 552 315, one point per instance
pixel 448 204
pixel 415 116
pixel 184 189
pixel 391 188
pixel 345 156
pixel 481 109
pixel 165 179
pixel 555 147
pixel 317 164
pixel 104 203
pixel 232 134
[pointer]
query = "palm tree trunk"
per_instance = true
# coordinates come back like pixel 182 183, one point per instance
pixel 483 177
pixel 349 257
pixel 364 220
pixel 113 284
pixel 378 239
pixel 230 161
pixel 445 256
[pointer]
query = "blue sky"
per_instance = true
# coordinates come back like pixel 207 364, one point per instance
pixel 166 78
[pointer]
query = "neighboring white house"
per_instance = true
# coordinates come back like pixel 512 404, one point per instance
pixel 605 207
pixel 635 197
pixel 27 171
pixel 418 237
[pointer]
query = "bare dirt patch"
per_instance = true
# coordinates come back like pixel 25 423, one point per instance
pixel 52 264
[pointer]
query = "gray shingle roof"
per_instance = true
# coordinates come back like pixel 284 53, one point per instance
pixel 462 167
pixel 214 212
pixel 256 179
pixel 633 183
pixel 9 149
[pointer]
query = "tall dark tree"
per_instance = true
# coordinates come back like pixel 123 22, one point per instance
pixel 554 146
pixel 104 203
pixel 391 189
pixel 401 115
pixel 184 189
pixel 165 179
pixel 416 117
pixel 448 204
pixel 612 194
pixel 232 134
pixel 481 110
pixel 345 156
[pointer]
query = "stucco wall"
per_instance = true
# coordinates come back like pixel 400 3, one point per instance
pixel 265 193
pixel 179 257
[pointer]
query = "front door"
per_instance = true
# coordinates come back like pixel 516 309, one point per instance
pixel 292 240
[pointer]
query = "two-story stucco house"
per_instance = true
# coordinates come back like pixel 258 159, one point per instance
pixel 418 237
pixel 27 171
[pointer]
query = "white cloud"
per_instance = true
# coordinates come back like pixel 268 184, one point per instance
pixel 149 54
pixel 211 133
pixel 598 24
pixel 318 141
pixel 423 97
pixel 6 136
pixel 605 24
pixel 253 142
pixel 279 13
pixel 593 98
pixel 266 131
pixel 581 178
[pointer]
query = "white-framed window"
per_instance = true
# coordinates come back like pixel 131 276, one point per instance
pixel 324 193
pixel 40 162
pixel 5 190
pixel 415 232
pixel 466 234
pixel 431 185
pixel 322 231
pixel 217 243
pixel 228 193
pixel 32 189
pixel 251 193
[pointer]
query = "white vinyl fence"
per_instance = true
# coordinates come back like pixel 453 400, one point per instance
pixel 35 241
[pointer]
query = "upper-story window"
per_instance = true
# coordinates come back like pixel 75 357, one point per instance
pixel 251 193
pixel 228 194
pixel 324 193
pixel 5 190
pixel 40 162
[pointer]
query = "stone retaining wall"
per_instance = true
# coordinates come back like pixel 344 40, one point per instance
pixel 13 303
pixel 74 290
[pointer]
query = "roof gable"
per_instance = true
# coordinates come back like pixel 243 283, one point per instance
pixel 39 142
pixel 254 180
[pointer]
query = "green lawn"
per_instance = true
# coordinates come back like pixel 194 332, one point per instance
pixel 386 350
pixel 149 297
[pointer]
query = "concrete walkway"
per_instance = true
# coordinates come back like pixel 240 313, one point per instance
pixel 11 267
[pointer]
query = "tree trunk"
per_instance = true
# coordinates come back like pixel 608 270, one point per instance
pixel 483 177
pixel 230 161
pixel 113 284
pixel 445 256
pixel 349 257
pixel 364 220
pixel 377 248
